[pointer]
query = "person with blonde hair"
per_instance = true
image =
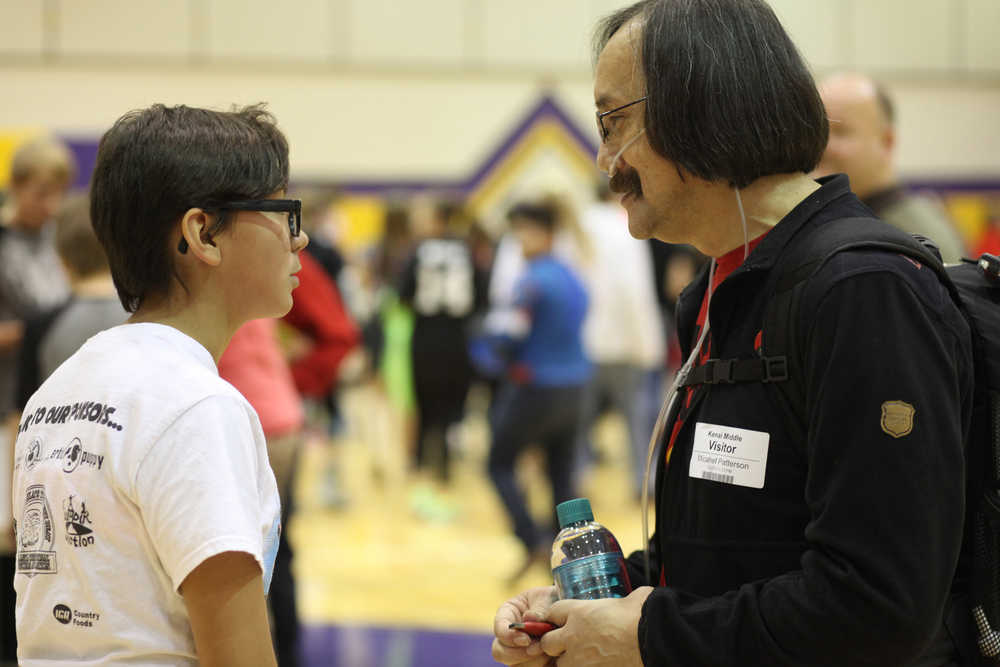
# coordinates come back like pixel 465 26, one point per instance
pixel 32 280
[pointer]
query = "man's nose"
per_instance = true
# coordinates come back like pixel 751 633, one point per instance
pixel 604 158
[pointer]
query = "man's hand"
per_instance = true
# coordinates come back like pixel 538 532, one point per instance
pixel 513 647
pixel 596 632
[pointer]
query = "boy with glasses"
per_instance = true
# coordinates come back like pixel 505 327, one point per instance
pixel 147 514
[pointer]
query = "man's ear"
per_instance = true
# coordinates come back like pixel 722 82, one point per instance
pixel 889 138
pixel 195 238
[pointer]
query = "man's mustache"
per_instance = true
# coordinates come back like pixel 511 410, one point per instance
pixel 625 181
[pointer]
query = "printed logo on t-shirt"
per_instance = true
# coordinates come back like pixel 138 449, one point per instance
pixel 62 613
pixel 34 454
pixel 75 455
pixel 82 619
pixel 91 411
pixel 36 535
pixel 77 533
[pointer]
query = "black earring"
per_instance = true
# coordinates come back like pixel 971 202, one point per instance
pixel 182 247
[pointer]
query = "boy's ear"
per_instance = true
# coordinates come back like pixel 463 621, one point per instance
pixel 195 238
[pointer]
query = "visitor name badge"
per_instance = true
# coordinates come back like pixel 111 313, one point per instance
pixel 729 455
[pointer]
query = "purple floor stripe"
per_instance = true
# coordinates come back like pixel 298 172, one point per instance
pixel 359 646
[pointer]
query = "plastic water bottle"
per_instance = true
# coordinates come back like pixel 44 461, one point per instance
pixel 587 562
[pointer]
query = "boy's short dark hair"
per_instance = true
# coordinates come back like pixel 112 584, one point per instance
pixel 729 97
pixel 75 240
pixel 154 164
pixel 539 214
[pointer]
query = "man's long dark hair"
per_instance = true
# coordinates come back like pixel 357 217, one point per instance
pixel 729 96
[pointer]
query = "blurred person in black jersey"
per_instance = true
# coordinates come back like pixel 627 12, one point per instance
pixel 442 286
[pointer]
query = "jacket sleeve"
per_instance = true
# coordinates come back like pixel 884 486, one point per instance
pixel 885 492
pixel 636 565
pixel 319 313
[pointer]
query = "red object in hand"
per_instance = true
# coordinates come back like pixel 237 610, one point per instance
pixel 533 628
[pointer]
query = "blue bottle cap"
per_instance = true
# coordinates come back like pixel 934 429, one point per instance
pixel 574 510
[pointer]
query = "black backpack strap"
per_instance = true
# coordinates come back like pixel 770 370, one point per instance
pixel 804 256
pixel 730 371
pixel 979 287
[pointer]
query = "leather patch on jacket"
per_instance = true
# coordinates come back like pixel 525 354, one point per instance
pixel 897 418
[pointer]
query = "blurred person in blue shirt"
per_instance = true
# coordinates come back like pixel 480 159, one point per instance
pixel 537 347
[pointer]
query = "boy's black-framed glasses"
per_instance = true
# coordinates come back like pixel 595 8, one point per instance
pixel 293 207
pixel 601 115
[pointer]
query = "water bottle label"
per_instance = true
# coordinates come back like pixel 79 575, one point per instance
pixel 592 577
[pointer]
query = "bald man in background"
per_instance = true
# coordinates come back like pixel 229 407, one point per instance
pixel 861 145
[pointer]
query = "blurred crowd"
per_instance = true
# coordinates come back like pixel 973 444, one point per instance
pixel 553 317
pixel 556 316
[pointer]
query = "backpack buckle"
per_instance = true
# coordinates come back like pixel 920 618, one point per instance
pixel 990 265
pixel 775 369
pixel 721 371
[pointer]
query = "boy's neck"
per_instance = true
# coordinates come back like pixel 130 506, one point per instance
pixel 199 320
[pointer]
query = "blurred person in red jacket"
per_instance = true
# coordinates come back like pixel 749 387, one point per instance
pixel 319 314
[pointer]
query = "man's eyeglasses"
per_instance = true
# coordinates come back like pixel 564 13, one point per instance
pixel 602 114
pixel 293 207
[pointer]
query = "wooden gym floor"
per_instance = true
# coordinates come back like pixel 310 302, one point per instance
pixel 398 573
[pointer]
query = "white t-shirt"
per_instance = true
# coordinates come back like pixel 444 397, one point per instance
pixel 134 463
pixel 623 322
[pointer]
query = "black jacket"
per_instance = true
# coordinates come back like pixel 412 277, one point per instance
pixel 848 553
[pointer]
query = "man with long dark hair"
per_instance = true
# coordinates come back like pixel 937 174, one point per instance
pixel 821 526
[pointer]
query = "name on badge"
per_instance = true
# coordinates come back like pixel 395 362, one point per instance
pixel 729 455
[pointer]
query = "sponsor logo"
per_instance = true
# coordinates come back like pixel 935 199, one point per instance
pixel 36 535
pixel 82 619
pixel 62 613
pixel 34 454
pixel 77 532
pixel 74 455
pixel 897 418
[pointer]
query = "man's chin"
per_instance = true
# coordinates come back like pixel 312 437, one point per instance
pixel 638 226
